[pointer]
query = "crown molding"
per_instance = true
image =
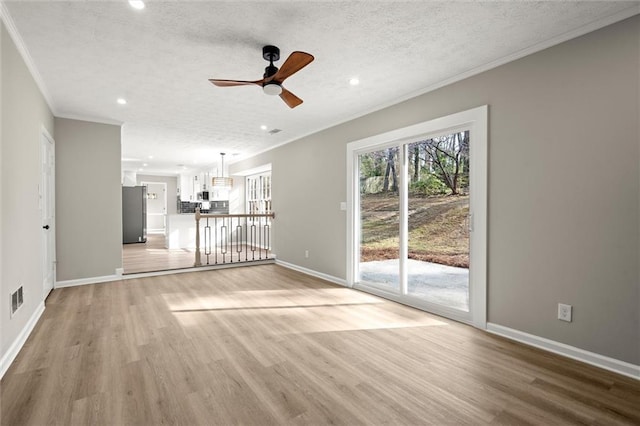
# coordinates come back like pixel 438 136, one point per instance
pixel 24 53
pixel 80 117
pixel 575 33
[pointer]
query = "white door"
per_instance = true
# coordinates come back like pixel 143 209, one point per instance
pixel 156 206
pixel 47 208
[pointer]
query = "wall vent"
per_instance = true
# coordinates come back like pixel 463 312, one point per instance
pixel 17 299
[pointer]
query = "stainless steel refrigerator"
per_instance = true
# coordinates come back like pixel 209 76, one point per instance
pixel 134 214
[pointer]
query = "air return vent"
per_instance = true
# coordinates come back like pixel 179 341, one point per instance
pixel 17 298
pixel 274 131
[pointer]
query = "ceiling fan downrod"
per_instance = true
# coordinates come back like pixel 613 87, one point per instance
pixel 271 54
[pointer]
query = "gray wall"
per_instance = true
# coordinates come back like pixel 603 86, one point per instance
pixel 24 113
pixel 564 185
pixel 172 189
pixel 88 199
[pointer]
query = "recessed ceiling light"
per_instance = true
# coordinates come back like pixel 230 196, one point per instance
pixel 140 169
pixel 263 127
pixel 122 101
pixel 150 157
pixel 136 4
pixel 354 81
pixel 145 165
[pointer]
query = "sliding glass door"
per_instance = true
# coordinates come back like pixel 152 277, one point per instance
pixel 413 201
pixel 437 215
pixel 380 218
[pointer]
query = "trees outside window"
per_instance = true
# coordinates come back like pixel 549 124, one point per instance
pixel 446 158
pixel 438 166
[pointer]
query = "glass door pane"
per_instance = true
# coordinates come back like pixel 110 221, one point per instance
pixel 379 218
pixel 438 210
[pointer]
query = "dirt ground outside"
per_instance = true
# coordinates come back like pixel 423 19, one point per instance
pixel 438 228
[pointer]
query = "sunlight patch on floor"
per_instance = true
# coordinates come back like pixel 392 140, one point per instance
pixel 311 310
pixel 255 299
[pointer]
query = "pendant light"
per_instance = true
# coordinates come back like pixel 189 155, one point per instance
pixel 222 182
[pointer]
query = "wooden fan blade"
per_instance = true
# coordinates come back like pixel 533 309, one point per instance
pixel 289 98
pixel 230 83
pixel 294 63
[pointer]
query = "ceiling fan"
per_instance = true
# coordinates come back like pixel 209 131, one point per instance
pixel 273 77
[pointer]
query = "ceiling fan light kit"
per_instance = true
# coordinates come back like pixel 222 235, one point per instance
pixel 273 77
pixel 272 89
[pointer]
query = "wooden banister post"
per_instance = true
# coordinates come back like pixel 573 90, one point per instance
pixel 198 261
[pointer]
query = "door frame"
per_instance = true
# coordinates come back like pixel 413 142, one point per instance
pixel 476 121
pixel 146 183
pixel 48 241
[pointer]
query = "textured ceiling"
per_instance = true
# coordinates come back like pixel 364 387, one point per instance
pixel 89 53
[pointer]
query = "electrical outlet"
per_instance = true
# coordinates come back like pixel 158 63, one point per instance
pixel 564 312
pixel 306 254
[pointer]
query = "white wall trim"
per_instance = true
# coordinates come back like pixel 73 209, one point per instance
pixel 198 269
pixel 17 344
pixel 89 118
pixel 253 171
pixel 313 273
pixel 592 358
pixel 120 273
pixel 90 280
pixel 26 57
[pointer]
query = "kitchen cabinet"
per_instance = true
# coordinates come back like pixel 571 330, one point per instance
pixel 186 186
pixel 204 181
pixel 192 184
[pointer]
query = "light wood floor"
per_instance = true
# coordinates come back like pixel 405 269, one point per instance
pixel 153 256
pixel 265 345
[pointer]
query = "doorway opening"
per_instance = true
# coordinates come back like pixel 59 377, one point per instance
pixel 417 215
pixel 156 207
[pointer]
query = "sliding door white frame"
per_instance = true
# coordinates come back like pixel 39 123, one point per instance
pixel 474 120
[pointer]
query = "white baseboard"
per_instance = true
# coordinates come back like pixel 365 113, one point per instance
pixel 196 269
pixel 607 363
pixel 90 280
pixel 15 347
pixel 121 276
pixel 313 273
